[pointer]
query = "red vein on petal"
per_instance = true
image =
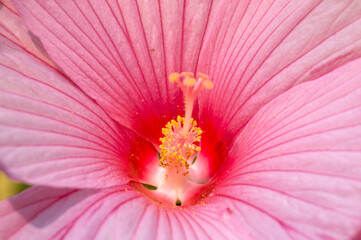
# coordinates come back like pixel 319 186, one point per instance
pixel 76 39
pixel 249 48
pixel 305 136
pixel 72 98
pixel 309 102
pixel 148 50
pixel 62 134
pixel 222 71
pixel 182 34
pixel 210 66
pixel 170 224
pixel 68 158
pixel 128 39
pixel 188 223
pixel 4 4
pixel 92 204
pixel 216 75
pixel 164 53
pixel 294 129
pixel 209 223
pixel 136 58
pixel 276 157
pixel 74 63
pixel 203 35
pixel 294 197
pixel 53 119
pixel 230 118
pixel 290 171
pixel 278 220
pixel 32 54
pixel 134 85
pixel 36 215
pixel 157 223
pixel 139 221
pixel 180 224
pixel 113 60
pixel 191 218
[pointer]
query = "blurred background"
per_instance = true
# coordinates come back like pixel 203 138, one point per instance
pixel 8 187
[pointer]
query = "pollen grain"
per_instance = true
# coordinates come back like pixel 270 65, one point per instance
pixel 177 148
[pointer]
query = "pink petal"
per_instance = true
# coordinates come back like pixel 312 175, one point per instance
pixel 51 133
pixel 13 29
pixel 121 52
pixel 297 164
pixel 118 213
pixel 256 50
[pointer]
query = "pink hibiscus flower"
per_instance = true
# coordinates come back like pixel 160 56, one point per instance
pixel 273 150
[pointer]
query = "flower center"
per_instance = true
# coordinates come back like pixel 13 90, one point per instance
pixel 182 136
pixel 177 181
pixel 178 147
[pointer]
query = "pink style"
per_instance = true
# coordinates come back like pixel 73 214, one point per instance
pixel 181 119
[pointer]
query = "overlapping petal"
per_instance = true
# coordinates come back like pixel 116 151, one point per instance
pixel 13 29
pixel 296 171
pixel 51 133
pixel 121 52
pixel 256 50
pixel 117 213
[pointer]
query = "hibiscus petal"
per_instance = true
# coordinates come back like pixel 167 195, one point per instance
pixel 119 213
pixel 51 133
pixel 121 52
pixel 256 50
pixel 14 30
pixel 297 172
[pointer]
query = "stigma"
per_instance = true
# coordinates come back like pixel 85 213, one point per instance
pixel 182 137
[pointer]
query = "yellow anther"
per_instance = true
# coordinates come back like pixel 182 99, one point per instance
pixel 173 77
pixel 182 136
pixel 208 84
pixel 187 74
pixel 177 147
pixel 189 82
pixel 202 75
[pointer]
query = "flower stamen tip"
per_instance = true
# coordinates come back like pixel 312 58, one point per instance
pixel 187 74
pixel 202 75
pixel 178 147
pixel 208 84
pixel 173 77
pixel 189 82
pixel 190 85
pixel 180 143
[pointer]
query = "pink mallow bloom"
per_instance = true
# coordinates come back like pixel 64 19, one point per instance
pixel 181 119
